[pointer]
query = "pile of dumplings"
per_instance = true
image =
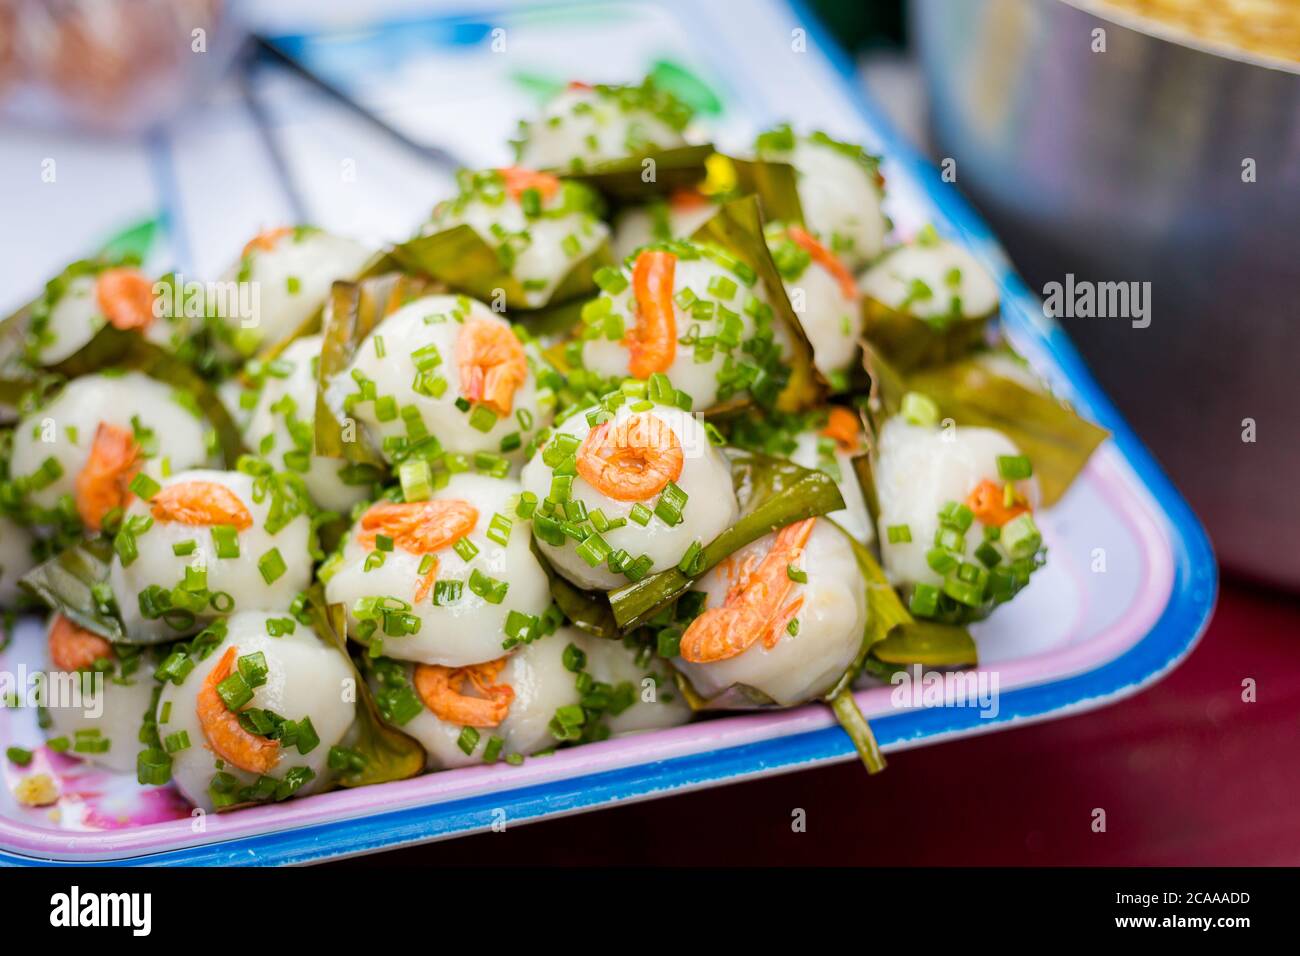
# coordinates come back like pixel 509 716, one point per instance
pixel 590 455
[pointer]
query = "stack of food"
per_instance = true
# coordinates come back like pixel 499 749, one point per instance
pixel 494 491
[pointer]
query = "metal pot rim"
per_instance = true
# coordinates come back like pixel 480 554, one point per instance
pixel 1151 27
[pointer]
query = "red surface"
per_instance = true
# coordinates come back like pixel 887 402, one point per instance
pixel 1187 772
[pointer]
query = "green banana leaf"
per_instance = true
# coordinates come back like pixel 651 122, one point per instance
pixel 66 583
pixel 862 467
pixel 113 348
pixel 16 379
pixel 387 753
pixel 885 395
pixel 891 638
pixel 351 312
pixel 17 375
pixel 1057 441
pixel 775 184
pixel 463 260
pixel 588 611
pixel 847 712
pixel 889 628
pixel 735 697
pixel 885 611
pixel 552 324
pixel 135 242
pixel 128 246
pixel 378 264
pixel 910 343
pixel 894 636
pixel 772 493
pixel 929 644
pixel 622 181
pixel 738 228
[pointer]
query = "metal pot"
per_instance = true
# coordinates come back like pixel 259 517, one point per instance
pixel 1133 164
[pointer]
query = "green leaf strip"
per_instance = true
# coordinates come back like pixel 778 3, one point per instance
pixel 738 228
pixel 113 348
pixel 387 753
pixel 66 583
pixel 351 312
pixel 772 492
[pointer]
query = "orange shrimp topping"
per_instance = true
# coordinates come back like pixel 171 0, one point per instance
pixel 103 483
pixel 226 738
pixel 652 341
pixel 73 648
pixel 426 582
pixel 419 527
pixel 125 297
pixel 266 240
pixel 631 461
pixel 203 504
pixel 844 427
pixel 579 85
pixel 492 364
pixel 755 606
pixel 687 197
pixel 442 690
pixel 988 503
pixel 826 259
pixel 519 179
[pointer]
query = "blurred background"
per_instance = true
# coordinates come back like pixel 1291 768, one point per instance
pixel 1112 140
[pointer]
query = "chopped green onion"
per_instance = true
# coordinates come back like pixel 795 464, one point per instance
pixel 308 740
pixel 144 486
pixel 964 592
pixel 1014 467
pixel 482 418
pixel 687 565
pixel 924 601
pixel 594 550
pixel 1021 537
pixel 417 480
pixel 499 529
pixel 919 409
pixel 234 691
pixel 468 740
pixel 487 587
pixel 447 592
pixel 225 538
pixel 940 560
pixel 898 533
pixel 272 566
pixel 253 668
pixel 153 767
pixel 669 507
